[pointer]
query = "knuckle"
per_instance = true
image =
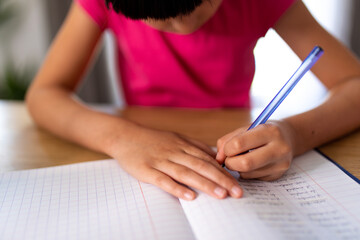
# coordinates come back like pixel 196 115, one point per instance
pixel 219 142
pixel 285 149
pixel 155 163
pixel 197 153
pixel 238 143
pixel 182 173
pixel 274 131
pixel 246 165
pixel 285 166
pixel 159 180
pixel 204 157
pixel 273 177
pixel 201 165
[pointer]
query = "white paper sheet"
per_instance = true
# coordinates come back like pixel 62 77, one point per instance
pixel 314 200
pixel 94 200
pixel 98 200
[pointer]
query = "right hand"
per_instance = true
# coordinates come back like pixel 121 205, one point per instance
pixel 171 161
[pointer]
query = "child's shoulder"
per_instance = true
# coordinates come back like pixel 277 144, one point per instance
pixel 96 9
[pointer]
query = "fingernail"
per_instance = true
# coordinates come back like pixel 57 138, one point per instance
pixel 236 190
pixel 188 196
pixel 217 155
pixel 220 192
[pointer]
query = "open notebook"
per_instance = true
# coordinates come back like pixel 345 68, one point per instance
pixel 98 200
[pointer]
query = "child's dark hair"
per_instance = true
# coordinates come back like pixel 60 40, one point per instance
pixel 153 9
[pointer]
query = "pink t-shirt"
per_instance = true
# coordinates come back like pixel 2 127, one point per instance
pixel 210 68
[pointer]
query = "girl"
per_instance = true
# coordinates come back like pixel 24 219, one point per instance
pixel 199 54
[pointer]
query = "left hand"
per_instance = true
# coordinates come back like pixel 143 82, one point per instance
pixel 271 151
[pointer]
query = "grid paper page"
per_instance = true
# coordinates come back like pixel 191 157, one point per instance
pixel 314 200
pixel 94 200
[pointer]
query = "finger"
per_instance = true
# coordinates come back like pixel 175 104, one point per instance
pixel 201 155
pixel 252 160
pixel 166 183
pixel 202 146
pixel 197 155
pixel 220 156
pixel 211 171
pixel 271 169
pixel 259 173
pixel 272 177
pixel 248 140
pixel 192 179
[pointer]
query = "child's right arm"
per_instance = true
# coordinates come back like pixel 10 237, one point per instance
pixel 162 158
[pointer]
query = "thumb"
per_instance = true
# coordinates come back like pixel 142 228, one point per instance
pixel 220 155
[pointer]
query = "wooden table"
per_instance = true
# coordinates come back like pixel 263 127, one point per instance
pixel 24 146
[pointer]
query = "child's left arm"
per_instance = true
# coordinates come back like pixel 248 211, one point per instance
pixel 275 143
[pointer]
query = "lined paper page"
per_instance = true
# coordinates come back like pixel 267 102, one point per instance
pixel 94 200
pixel 314 200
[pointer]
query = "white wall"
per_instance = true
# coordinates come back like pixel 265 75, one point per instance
pixel 28 42
pixel 334 15
pixel 275 62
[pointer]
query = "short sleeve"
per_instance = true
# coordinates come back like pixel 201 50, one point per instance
pixel 270 11
pixel 97 10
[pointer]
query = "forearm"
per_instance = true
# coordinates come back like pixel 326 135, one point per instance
pixel 338 115
pixel 57 111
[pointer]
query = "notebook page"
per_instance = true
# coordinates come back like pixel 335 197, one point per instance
pixel 314 200
pixel 94 200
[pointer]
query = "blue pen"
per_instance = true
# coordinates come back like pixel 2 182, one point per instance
pixel 309 61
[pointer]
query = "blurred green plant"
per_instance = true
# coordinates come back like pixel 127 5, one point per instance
pixel 13 81
pixel 6 12
pixel 8 15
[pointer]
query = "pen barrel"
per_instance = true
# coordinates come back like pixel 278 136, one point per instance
pixel 309 61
